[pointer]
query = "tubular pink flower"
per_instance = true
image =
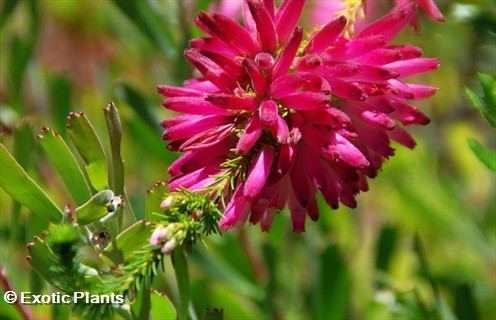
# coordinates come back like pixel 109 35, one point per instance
pixel 259 173
pixel 431 9
pixel 326 36
pixel 266 30
pixel 389 25
pixel 278 118
pixel 287 17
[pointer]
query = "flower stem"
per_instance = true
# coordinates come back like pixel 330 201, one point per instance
pixel 180 264
pixel 26 313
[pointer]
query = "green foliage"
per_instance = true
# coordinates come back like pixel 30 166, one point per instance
pixel 154 198
pixel 16 182
pixel 487 108
pixel 486 156
pixel 66 164
pixel 85 139
pixel 189 215
pixel 364 256
pixel 8 7
pixel 101 204
pixel 150 23
pixel 127 242
pixel 213 314
pixel 161 308
pixel 55 259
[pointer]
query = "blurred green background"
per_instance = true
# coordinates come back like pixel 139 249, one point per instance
pixel 420 245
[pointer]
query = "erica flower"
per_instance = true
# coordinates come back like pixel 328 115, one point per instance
pixel 276 118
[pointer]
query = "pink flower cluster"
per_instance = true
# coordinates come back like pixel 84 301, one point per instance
pixel 292 116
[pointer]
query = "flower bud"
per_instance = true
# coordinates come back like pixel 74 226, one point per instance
pixel 114 203
pixel 264 60
pixel 169 246
pixel 158 235
pixel 168 202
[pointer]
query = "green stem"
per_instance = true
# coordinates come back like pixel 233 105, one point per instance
pixel 116 172
pixel 180 264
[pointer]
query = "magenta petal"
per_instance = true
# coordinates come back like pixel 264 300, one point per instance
pixel 189 128
pixel 399 135
pixel 325 37
pixel 374 73
pixel 199 178
pixel 378 119
pixel 266 29
pixel 259 172
pixel 356 48
pixel 280 195
pixel 401 89
pixel 237 35
pixel 380 56
pixel 249 23
pixel 167 123
pixel 410 67
pixel 330 117
pixel 193 160
pixel 408 114
pixel 431 9
pixel 285 159
pixel 280 130
pixel 212 45
pixel 340 69
pixel 171 91
pixel 290 83
pixel 314 167
pixel 267 219
pixel 211 70
pixel 201 85
pixel 308 62
pixel 287 54
pixel 236 209
pixel 301 186
pixel 409 52
pixel 313 209
pixel 250 134
pixel 376 139
pixel 349 153
pixel 345 90
pixel 422 92
pixel 345 151
pixel 330 193
pixel 305 100
pixel 229 31
pixel 390 54
pixel 287 17
pixel 268 112
pixel 232 102
pixel 264 60
pixel 270 7
pixel 257 78
pixel 345 194
pixel 175 168
pixel 258 210
pixel 231 66
pixel 207 138
pixel 391 24
pixel 193 106
pixel 298 213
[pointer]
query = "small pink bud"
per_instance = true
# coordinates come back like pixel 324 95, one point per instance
pixel 264 60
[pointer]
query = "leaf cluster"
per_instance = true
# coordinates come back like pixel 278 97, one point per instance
pixel 487 108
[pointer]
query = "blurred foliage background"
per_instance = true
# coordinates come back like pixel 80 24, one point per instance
pixel 420 245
